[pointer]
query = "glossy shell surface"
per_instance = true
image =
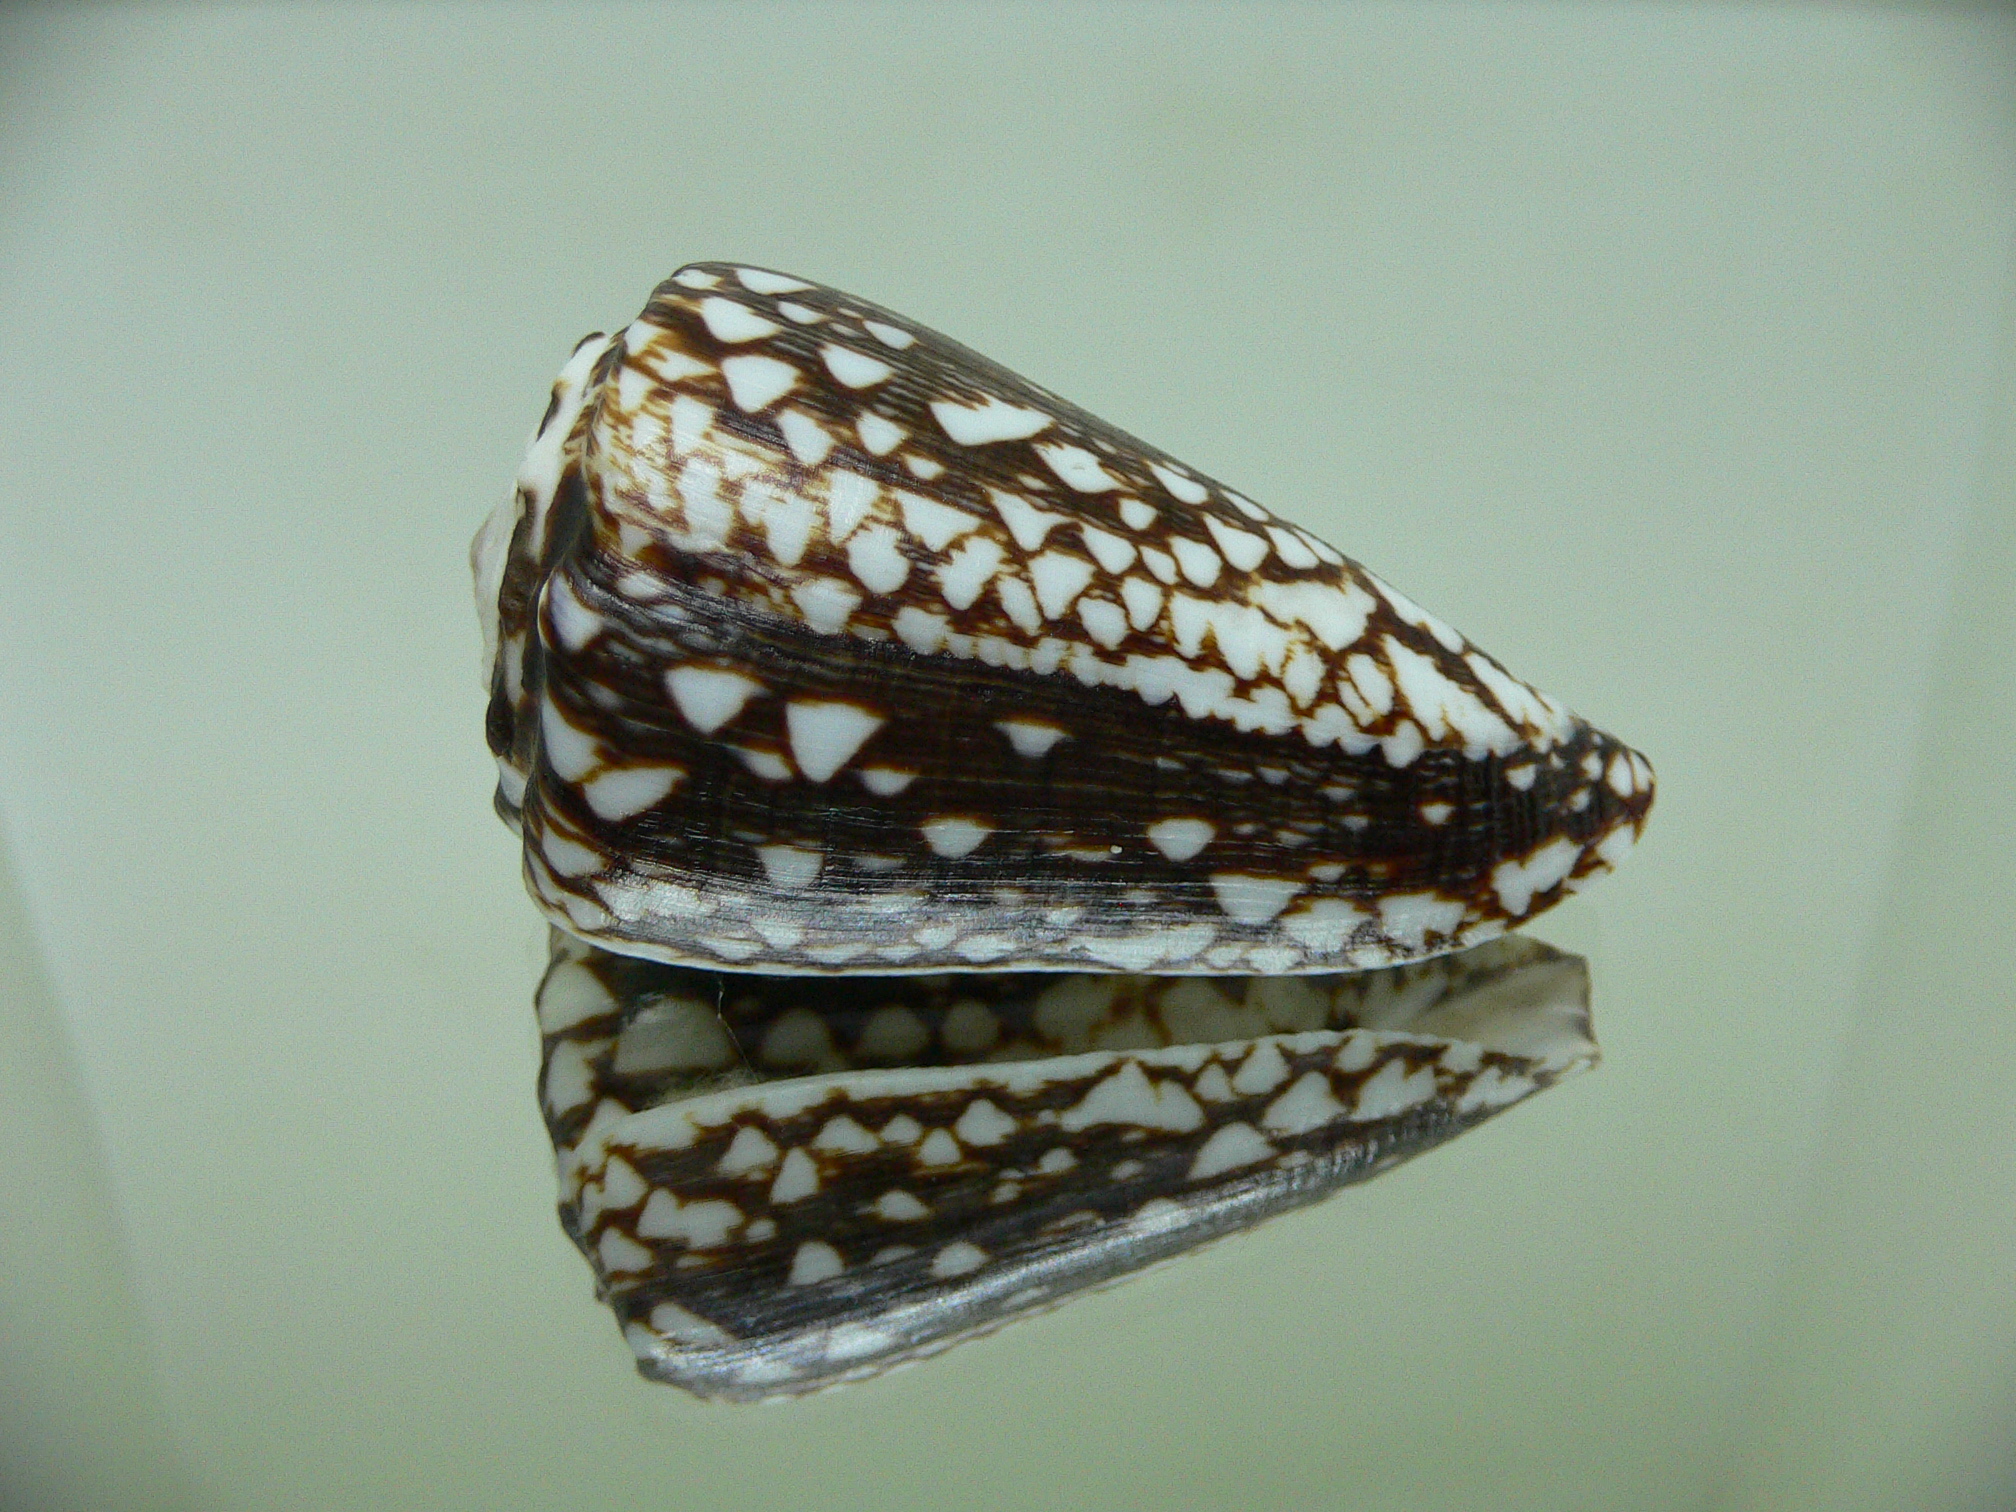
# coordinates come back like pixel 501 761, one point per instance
pixel 819 643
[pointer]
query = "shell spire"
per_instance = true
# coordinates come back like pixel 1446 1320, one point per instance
pixel 819 642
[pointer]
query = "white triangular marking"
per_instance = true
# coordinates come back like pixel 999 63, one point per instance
pixel 729 321
pixel 825 736
pixel 990 420
pixel 808 439
pixel 936 525
pixel 1248 899
pixel 710 696
pixel 1077 467
pixel 1189 490
pixel 754 382
pixel 763 281
pixel 879 436
pixel 1031 738
pixel 888 335
pixel 855 369
pixel 791 866
pixel 1180 839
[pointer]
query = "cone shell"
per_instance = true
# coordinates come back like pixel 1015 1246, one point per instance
pixel 820 643
pixel 786 1182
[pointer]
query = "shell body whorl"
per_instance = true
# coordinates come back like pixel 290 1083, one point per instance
pixel 820 643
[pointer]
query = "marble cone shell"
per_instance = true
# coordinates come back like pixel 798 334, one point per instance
pixel 821 643
pixel 786 1182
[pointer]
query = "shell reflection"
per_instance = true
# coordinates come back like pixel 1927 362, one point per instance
pixel 786 1182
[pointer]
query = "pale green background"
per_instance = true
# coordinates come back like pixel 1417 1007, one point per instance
pixel 1666 351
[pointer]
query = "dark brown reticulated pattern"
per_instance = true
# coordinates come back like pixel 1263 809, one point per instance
pixel 823 644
